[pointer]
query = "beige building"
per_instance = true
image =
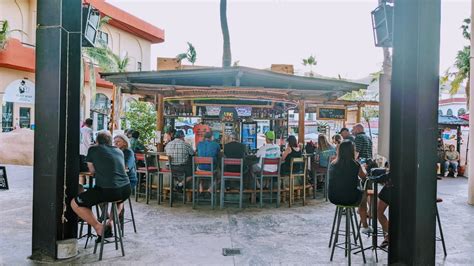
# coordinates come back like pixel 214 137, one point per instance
pixel 125 34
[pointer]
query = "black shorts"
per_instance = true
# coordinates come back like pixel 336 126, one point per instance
pixel 186 169
pixel 97 195
pixel 385 194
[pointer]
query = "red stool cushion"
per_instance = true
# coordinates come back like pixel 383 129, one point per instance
pixel 231 174
pixel 270 173
pixel 149 168
pixel 201 173
pixel 165 170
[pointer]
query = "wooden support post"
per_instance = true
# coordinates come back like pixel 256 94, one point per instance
pixel 359 113
pixel 160 121
pixel 112 113
pixel 301 118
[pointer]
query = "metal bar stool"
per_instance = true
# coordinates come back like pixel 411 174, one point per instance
pixel 124 220
pixel 147 171
pixel 232 176
pixel 441 237
pixel 200 174
pixel 353 223
pixel 348 212
pixel 163 170
pixel 272 175
pixel 174 174
pixel 117 227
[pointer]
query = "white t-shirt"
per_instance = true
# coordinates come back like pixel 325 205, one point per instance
pixel 86 140
pixel 269 151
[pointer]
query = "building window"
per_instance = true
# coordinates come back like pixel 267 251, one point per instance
pixel 440 112
pixel 449 112
pixel 103 37
pixel 139 66
pixel 7 117
pixel 461 111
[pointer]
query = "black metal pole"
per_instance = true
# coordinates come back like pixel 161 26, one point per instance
pixel 413 131
pixel 56 163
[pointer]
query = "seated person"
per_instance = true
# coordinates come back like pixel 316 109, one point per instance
pixel 451 158
pixel 181 154
pixel 325 151
pixel 135 144
pixel 106 163
pixel 122 142
pixel 292 150
pixel 343 180
pixel 208 148
pixel 234 149
pixel 268 150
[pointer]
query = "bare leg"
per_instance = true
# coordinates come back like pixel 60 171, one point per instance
pixel 87 215
pixel 363 211
pixel 381 207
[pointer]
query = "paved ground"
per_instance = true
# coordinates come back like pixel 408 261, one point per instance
pixel 182 236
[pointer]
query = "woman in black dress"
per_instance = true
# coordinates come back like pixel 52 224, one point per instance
pixel 344 172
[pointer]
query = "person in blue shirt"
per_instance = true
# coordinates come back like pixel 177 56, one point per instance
pixel 208 148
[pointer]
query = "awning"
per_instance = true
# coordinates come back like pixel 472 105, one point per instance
pixel 241 83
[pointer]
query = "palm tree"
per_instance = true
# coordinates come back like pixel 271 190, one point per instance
pixel 461 64
pixel 190 54
pixel 5 33
pixel 226 55
pixel 310 61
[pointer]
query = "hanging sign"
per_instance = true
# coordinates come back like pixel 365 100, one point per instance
pixel 20 91
pixel 228 114
pixel 325 113
pixel 3 178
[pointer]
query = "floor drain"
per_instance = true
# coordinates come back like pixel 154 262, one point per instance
pixel 230 251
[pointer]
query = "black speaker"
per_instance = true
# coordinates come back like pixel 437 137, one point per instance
pixel 90 25
pixel 382 24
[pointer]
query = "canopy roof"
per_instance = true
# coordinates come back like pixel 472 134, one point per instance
pixel 232 82
pixel 451 120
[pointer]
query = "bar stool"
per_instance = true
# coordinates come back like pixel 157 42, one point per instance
pixel 147 171
pixel 353 223
pixel 124 220
pixel 200 174
pixel 117 227
pixel 163 170
pixel 441 237
pixel 174 174
pixel 272 176
pixel 295 174
pixel 232 176
pixel 348 212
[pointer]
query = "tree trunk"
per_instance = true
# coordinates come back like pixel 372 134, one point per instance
pixel 226 56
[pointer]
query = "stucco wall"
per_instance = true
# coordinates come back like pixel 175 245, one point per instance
pixel 21 14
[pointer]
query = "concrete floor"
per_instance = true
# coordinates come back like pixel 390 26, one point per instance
pixel 182 236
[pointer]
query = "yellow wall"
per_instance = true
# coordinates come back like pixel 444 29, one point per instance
pixel 21 14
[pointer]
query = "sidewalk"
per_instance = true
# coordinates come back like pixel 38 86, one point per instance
pixel 182 236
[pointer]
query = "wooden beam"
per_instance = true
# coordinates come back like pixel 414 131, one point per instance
pixel 359 113
pixel 301 118
pixel 160 121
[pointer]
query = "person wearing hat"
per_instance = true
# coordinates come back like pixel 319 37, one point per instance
pixel 268 150
pixel 180 153
pixel 122 142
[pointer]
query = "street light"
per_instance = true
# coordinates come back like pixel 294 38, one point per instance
pixel 382 24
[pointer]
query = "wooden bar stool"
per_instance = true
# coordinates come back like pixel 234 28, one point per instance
pixel 295 174
pixel 232 176
pixel 163 170
pixel 147 170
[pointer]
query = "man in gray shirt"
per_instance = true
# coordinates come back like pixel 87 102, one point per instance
pixel 106 163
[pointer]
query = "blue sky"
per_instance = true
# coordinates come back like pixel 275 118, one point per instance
pixel 338 33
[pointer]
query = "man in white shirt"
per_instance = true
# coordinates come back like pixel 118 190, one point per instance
pixel 268 150
pixel 87 140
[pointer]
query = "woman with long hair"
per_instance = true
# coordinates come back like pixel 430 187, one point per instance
pixel 344 173
pixel 293 150
pixel 325 151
